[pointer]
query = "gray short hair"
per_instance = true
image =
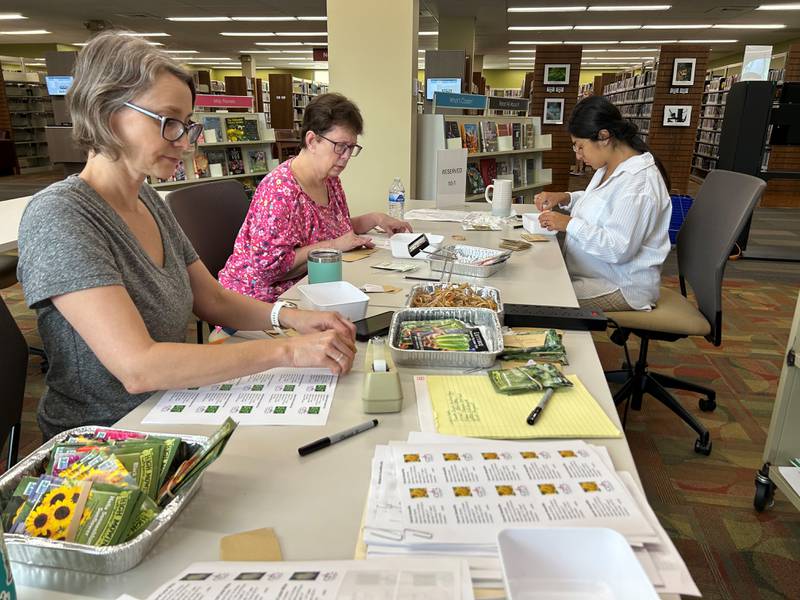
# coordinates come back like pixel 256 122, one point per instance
pixel 110 70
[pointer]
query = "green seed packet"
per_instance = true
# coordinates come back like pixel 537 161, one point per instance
pixel 191 468
pixel 106 519
pixel 552 350
pixel 147 512
pixel 143 461
pixel 454 340
pixel 530 378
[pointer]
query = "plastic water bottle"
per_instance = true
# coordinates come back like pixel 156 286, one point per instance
pixel 397 199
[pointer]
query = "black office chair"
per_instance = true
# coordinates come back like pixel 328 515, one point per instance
pixel 211 215
pixel 8 277
pixel 724 203
pixel 13 372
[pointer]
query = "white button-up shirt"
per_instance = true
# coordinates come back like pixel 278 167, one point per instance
pixel 617 238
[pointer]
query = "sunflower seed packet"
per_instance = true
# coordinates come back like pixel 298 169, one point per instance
pixel 530 378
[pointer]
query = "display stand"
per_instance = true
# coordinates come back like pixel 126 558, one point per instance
pixel 783 442
pixel 520 162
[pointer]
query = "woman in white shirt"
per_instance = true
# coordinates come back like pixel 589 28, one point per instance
pixel 616 230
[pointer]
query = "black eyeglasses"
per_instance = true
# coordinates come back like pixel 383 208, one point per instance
pixel 172 129
pixel 342 147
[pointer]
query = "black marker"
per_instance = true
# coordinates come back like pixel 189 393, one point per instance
pixel 336 437
pixel 540 407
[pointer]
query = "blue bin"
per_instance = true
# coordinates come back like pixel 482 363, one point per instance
pixel 680 208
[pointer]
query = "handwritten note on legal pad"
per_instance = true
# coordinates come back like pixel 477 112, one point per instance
pixel 468 405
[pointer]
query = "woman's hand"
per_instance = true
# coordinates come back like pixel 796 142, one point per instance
pixel 391 225
pixel 350 241
pixel 554 221
pixel 311 321
pixel 328 349
pixel 550 200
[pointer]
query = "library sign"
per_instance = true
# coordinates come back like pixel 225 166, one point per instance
pixel 502 103
pixel 222 101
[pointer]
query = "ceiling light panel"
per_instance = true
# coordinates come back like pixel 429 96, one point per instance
pixel 11 16
pixel 541 28
pixel 603 27
pixel 543 9
pixel 779 7
pixel 197 19
pixel 633 7
pixel 26 32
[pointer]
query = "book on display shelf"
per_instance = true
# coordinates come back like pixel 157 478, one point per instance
pixel 178 175
pixel 201 169
pixel 475 183
pixel 516 133
pixel 489 136
pixel 258 160
pixel 235 160
pixel 488 168
pixel 505 141
pixel 529 133
pixel 212 129
pixel 530 171
pixel 452 135
pixel 470 138
pixel 217 163
pixel 250 130
pixel 517 171
pixel 503 167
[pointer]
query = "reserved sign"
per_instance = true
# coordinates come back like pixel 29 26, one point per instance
pixel 451 176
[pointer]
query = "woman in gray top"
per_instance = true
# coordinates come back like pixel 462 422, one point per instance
pixel 112 276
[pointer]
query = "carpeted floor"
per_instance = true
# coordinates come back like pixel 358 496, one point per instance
pixel 704 502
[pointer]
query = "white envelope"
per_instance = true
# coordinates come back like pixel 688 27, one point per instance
pixel 530 222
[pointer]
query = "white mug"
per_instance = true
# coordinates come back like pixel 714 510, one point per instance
pixel 501 198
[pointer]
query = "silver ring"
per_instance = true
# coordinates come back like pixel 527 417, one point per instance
pixel 339 358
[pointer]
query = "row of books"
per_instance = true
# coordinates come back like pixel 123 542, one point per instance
pixel 219 129
pixel 713 111
pixel 721 84
pixel 640 95
pixel 709 150
pixel 637 110
pixel 709 137
pixel 488 136
pixel 629 83
pixel 710 124
pixel 716 99
pixel 704 164
pixel 219 162
pixel 522 171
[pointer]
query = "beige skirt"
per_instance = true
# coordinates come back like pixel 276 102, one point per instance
pixel 612 302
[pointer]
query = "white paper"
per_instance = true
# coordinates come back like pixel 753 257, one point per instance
pixel 462 494
pixel 408 579
pixel 451 176
pixel 281 396
pixel 215 170
pixel 433 214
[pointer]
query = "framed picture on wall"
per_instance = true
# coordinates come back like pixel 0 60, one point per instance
pixel 553 111
pixel 556 74
pixel 677 116
pixel 683 71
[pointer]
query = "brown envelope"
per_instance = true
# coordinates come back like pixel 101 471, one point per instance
pixel 258 544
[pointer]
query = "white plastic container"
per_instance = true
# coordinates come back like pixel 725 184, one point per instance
pixel 400 242
pixel 576 563
pixel 339 296
pixel 530 223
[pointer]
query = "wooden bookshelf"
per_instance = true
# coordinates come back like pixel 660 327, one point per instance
pixel 30 110
pixel 709 127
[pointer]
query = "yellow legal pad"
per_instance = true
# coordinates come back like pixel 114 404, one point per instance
pixel 468 405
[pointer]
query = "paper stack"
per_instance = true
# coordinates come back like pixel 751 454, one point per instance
pixel 412 579
pixel 445 496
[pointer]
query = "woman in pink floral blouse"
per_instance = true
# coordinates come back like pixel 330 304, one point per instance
pixel 300 206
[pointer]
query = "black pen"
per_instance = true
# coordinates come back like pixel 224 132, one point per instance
pixel 422 278
pixel 336 437
pixel 540 407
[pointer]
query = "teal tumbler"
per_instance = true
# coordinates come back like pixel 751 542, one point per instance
pixel 324 265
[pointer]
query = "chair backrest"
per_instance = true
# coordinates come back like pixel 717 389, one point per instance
pixel 724 203
pixel 211 215
pixel 13 372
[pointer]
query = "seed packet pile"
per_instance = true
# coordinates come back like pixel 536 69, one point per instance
pixel 441 335
pixel 530 378
pixel 544 346
pixel 101 488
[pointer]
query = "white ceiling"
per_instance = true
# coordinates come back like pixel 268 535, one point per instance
pixel 66 21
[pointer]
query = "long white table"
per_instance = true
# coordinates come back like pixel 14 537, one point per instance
pixel 10 216
pixel 315 503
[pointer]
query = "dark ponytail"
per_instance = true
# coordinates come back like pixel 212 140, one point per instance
pixel 595 113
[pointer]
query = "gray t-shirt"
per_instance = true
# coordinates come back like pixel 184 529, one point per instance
pixel 70 239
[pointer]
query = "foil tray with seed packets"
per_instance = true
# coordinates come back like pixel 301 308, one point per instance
pixel 445 337
pixel 469 261
pixel 119 522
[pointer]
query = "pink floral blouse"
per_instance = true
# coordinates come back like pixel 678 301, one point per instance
pixel 282 218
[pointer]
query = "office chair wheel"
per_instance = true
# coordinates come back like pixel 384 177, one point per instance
pixel 765 489
pixel 708 404
pixel 702 445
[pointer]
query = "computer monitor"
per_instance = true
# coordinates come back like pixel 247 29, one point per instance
pixel 57 85
pixel 442 84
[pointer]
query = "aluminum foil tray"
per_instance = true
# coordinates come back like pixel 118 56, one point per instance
pixel 467 254
pixel 480 317
pixel 105 560
pixel 483 291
